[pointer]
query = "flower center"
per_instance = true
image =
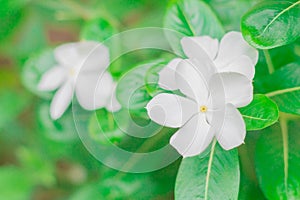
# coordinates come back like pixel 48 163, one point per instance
pixel 203 109
pixel 72 72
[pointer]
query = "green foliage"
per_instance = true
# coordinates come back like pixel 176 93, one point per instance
pixel 61 129
pixel 97 30
pixel 103 127
pixel 283 86
pixel 191 18
pixel 13 184
pixel 230 12
pixel 277 164
pixel 33 70
pixel 42 158
pixel 13 100
pixel 10 15
pixel 118 185
pixel 132 90
pixel 210 175
pixel 260 113
pixel 272 23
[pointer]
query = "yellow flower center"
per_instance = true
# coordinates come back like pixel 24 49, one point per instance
pixel 72 71
pixel 203 109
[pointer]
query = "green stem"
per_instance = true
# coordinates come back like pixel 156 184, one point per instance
pixel 284 132
pixel 278 92
pixel 111 124
pixel 269 61
pixel 211 155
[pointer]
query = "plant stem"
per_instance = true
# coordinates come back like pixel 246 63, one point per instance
pixel 269 61
pixel 284 132
pixel 278 92
pixel 111 124
pixel 211 155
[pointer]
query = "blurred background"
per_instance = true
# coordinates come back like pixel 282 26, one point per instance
pixel 43 159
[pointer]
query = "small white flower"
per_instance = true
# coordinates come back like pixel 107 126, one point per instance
pixel 81 70
pixel 204 113
pixel 216 79
pixel 232 54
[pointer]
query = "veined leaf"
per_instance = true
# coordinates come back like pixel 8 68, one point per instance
pixel 283 86
pixel 260 113
pixel 214 175
pixel 131 90
pixel 191 18
pixel 271 24
pixel 277 160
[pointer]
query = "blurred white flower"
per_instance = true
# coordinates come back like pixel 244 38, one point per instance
pixel 81 70
pixel 205 112
pixel 232 54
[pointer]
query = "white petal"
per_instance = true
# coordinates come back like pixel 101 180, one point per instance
pixel 191 81
pixel 232 130
pixel 61 100
pixel 233 88
pixel 233 46
pixel 52 79
pixel 242 65
pixel 171 110
pixel 201 48
pixel 86 54
pixel 194 137
pixel 193 47
pixel 167 75
pixel 112 104
pixel 93 89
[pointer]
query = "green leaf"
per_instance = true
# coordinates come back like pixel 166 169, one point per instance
pixel 37 166
pixel 191 18
pixel 10 15
pixel 283 86
pixel 13 99
pixel 97 30
pixel 131 90
pixel 33 70
pixel 260 113
pixel 14 184
pixel 277 160
pixel 28 38
pixel 271 24
pixel 249 188
pixel 119 185
pixel 62 129
pixel 103 127
pixel 230 12
pixel 212 176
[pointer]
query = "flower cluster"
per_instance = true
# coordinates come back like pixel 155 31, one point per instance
pixel 214 81
pixel 81 70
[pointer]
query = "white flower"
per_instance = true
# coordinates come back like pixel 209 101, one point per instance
pixel 232 54
pixel 204 113
pixel 216 79
pixel 81 70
